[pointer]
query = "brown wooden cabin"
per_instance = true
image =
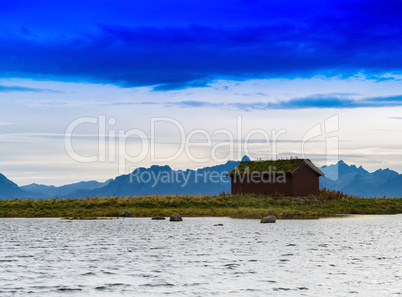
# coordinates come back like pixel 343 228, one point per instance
pixel 294 177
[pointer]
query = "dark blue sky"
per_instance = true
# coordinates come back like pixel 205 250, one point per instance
pixel 174 44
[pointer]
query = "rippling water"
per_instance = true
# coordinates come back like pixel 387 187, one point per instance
pixel 352 256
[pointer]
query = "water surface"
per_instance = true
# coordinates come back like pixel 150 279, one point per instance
pixel 351 256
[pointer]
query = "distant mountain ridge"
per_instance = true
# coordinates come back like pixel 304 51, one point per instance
pixel 52 191
pixel 360 182
pixel 162 180
pixel 8 189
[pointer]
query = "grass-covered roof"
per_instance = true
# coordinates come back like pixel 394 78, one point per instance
pixel 273 166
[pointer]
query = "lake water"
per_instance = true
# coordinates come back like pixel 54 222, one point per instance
pixel 349 256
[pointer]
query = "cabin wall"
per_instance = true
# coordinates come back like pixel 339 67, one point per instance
pixel 306 182
pixel 261 186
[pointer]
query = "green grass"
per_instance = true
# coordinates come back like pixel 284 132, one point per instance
pixel 271 166
pixel 328 203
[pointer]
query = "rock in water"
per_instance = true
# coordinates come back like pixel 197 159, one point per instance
pixel 158 218
pixel 268 219
pixel 126 214
pixel 176 218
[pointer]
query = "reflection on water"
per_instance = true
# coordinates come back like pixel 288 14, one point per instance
pixel 352 256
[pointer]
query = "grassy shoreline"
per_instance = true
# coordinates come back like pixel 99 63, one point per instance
pixel 327 204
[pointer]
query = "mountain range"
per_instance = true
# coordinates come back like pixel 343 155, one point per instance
pixel 162 180
pixel 359 182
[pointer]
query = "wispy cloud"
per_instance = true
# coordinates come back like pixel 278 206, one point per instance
pixel 315 101
pixel 34 136
pixel 322 101
pixel 2 123
pixel 5 89
pixel 252 94
pixel 193 104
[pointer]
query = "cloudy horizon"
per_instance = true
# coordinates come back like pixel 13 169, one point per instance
pixel 277 68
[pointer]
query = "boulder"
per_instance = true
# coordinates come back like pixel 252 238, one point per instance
pixel 268 219
pixel 176 218
pixel 126 214
pixel 158 218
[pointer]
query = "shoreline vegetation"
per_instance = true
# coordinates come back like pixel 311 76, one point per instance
pixel 251 206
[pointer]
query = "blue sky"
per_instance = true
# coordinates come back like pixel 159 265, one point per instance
pixel 176 44
pixel 279 65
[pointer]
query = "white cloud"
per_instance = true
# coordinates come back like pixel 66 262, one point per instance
pixel 32 125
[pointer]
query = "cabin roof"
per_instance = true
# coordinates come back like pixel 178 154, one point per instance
pixel 288 166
